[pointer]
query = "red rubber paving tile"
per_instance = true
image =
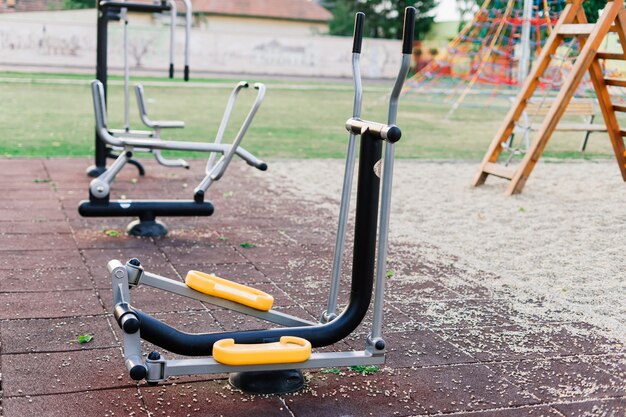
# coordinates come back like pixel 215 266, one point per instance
pixel 63 372
pixel 37 280
pixel 40 259
pixel 211 398
pixel 199 255
pixel 49 304
pixel 401 289
pixel 280 254
pixel 35 214
pixel 105 403
pixel 13 242
pixel 29 227
pixel 297 269
pixel 55 335
pixel 471 387
pixel 505 342
pixel 16 168
pixel 108 239
pixel 613 407
pixel 152 300
pixel 584 339
pixel 614 365
pixel 453 314
pixel 352 394
pixel 524 411
pixel 562 379
pixel 420 348
pixel 429 302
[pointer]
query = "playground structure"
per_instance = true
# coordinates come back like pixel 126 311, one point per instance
pixel 492 54
pixel 113 11
pixel 496 47
pixel 571 24
pixel 268 361
pixel 126 141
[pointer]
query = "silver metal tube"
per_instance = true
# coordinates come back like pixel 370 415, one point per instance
pixel 524 59
pixel 199 366
pixel 101 186
pixel 385 205
pixel 177 287
pixel 224 123
pixel 397 89
pixel 173 15
pixel 188 21
pixel 124 17
pixel 172 163
pixel 220 167
pixel 346 193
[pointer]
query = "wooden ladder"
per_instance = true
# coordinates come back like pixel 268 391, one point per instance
pixel 572 22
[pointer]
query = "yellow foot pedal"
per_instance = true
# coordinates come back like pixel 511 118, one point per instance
pixel 290 349
pixel 222 288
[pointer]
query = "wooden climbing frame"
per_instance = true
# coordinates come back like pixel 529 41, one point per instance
pixel 572 22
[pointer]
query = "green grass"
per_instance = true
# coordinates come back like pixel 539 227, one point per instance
pixel 51 115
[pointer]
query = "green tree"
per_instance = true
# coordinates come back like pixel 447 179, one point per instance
pixel 384 17
pixel 592 9
pixel 79 4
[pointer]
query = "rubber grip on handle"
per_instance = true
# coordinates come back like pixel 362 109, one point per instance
pixel 171 70
pixel 357 38
pixel 186 72
pixel 409 30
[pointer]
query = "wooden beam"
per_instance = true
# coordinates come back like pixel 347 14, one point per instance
pixel 498 170
pixel 586 58
pixel 576 29
pixel 611 55
pixel 617 82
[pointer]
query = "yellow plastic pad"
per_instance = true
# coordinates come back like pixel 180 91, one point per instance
pixel 222 288
pixel 290 349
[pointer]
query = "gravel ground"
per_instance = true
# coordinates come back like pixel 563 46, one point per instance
pixel 555 251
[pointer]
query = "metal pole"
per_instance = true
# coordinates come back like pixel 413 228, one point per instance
pixel 524 60
pixel 124 16
pixel 101 75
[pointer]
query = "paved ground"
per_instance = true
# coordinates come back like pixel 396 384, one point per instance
pixel 454 346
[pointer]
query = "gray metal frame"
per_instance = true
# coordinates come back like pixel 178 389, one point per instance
pixel 100 186
pixel 125 277
pixel 346 191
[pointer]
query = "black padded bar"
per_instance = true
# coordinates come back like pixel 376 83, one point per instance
pixel 140 208
pixel 136 7
pixel 357 38
pixel 408 32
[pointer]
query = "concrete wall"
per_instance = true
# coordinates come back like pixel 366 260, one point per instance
pixel 67 39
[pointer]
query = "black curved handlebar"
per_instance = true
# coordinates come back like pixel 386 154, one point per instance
pixel 358 32
pixel 408 31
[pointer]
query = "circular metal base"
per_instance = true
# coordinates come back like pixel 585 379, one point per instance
pixel 146 228
pixel 268 382
pixel 95 171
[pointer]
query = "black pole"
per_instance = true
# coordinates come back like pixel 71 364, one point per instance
pixel 366 221
pixel 101 75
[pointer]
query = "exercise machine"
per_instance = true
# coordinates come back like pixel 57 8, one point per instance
pixel 100 204
pixel 155 126
pixel 111 11
pixel 270 360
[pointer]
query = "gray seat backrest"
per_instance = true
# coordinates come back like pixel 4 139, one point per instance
pixel 141 102
pixel 99 104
